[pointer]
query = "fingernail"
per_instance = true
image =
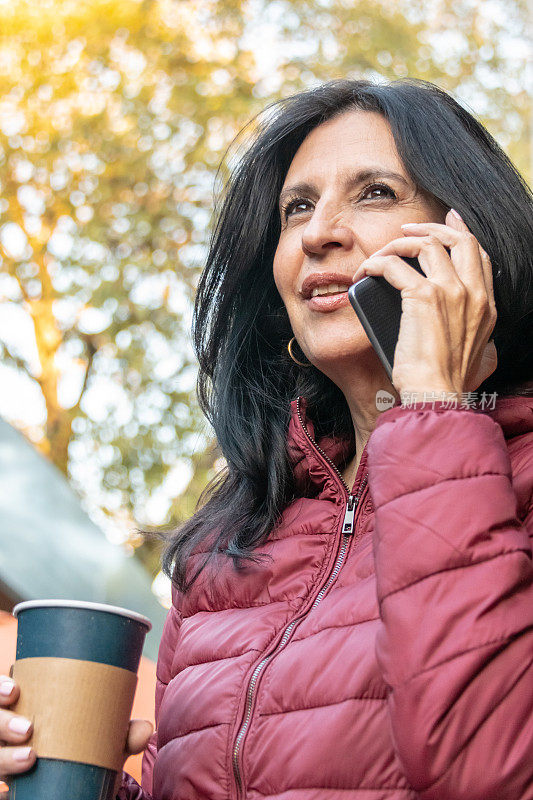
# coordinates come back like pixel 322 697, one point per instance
pixel 6 687
pixel 411 224
pixel 22 754
pixel 456 214
pixel 19 725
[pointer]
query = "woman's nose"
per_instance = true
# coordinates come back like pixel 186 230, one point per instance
pixel 324 232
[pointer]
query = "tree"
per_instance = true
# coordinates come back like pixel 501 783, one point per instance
pixel 112 124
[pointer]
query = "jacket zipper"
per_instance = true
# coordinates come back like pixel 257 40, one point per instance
pixel 347 531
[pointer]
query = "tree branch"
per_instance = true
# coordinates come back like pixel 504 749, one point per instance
pixel 6 354
pixel 91 350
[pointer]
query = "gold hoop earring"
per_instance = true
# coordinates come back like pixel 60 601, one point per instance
pixel 289 348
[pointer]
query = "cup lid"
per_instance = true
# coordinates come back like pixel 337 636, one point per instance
pixel 125 612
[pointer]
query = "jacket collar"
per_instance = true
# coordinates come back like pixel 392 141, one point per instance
pixel 308 467
pixel 513 414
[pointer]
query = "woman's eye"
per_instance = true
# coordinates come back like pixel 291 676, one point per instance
pixel 299 205
pixel 382 187
pixel 294 206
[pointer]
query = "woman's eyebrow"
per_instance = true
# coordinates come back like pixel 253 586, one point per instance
pixel 352 179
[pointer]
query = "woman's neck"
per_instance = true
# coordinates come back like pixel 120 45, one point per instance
pixel 350 470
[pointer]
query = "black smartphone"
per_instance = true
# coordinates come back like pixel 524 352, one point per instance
pixel 379 308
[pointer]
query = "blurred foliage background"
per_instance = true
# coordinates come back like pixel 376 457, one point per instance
pixel 114 116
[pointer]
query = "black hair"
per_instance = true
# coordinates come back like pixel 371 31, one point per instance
pixel 241 328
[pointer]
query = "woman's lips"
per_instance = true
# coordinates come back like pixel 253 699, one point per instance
pixel 328 302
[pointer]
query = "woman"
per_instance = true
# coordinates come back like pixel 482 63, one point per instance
pixel 371 634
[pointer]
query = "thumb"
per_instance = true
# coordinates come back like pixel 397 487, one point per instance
pixel 487 364
pixel 139 733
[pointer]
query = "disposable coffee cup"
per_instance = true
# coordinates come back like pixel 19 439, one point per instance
pixel 76 665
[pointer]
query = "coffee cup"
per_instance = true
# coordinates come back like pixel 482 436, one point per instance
pixel 76 665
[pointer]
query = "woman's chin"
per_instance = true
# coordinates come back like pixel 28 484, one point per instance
pixel 330 355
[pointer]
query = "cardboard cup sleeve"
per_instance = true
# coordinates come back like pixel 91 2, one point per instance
pixel 79 709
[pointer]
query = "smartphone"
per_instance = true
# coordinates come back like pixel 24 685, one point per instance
pixel 379 308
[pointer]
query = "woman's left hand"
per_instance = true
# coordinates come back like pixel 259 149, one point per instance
pixel 447 316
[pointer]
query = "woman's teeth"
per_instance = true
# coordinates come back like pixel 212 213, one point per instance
pixel 330 288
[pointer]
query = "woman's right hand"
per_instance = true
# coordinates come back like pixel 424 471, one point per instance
pixel 15 758
pixel 12 740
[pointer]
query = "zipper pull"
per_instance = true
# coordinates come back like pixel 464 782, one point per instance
pixel 347 525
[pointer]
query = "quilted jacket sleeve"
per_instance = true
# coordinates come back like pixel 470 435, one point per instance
pixel 129 788
pixel 455 590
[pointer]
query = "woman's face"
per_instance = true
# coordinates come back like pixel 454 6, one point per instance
pixel 345 196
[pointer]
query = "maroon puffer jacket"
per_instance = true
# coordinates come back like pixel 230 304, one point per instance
pixel 385 652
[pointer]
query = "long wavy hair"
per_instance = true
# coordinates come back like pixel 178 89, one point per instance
pixel 241 328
